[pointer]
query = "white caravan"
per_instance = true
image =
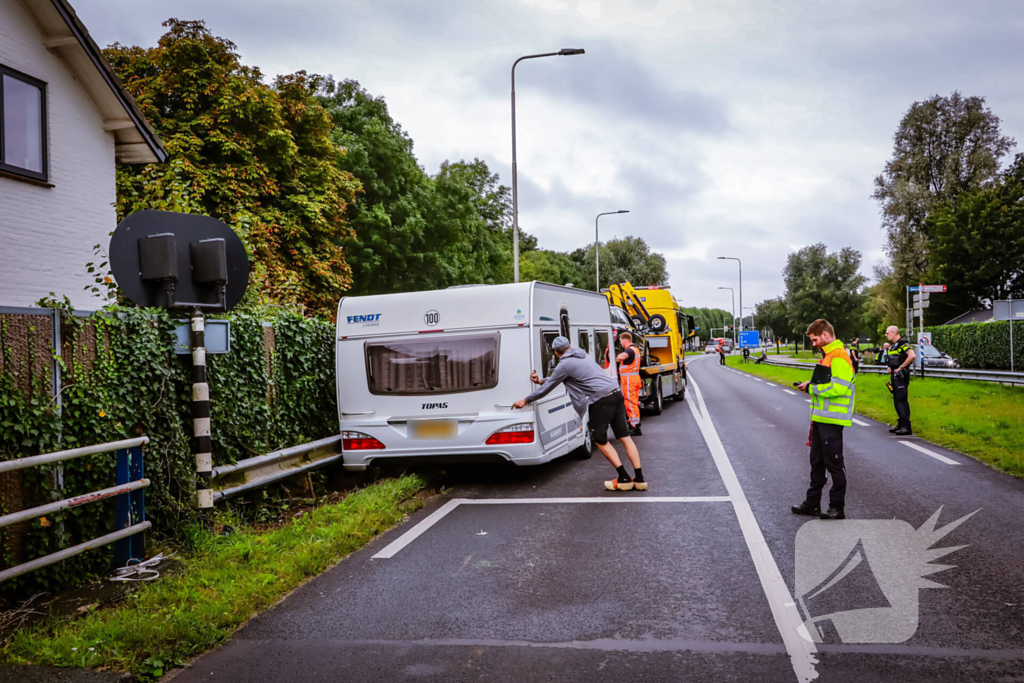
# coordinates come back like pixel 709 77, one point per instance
pixel 434 374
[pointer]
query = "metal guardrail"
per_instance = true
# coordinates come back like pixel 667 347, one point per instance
pixel 253 473
pixel 130 513
pixel 994 376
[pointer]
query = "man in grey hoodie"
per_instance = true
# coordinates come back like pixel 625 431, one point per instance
pixel 591 390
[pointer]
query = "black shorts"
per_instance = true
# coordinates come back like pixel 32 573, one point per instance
pixel 608 411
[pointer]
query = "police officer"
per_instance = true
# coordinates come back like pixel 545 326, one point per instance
pixel 900 357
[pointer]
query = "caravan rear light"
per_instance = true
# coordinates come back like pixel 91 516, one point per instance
pixel 520 433
pixel 357 441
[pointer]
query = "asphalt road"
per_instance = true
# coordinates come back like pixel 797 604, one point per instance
pixel 525 574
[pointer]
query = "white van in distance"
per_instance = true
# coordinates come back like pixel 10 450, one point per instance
pixel 434 374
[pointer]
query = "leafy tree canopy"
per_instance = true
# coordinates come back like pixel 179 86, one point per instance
pixel 824 285
pixel 258 157
pixel 978 245
pixel 944 147
pixel 550 266
pixel 771 314
pixel 628 258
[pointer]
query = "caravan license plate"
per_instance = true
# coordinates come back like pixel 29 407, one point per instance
pixel 433 429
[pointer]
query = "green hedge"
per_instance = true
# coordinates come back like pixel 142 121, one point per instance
pixel 981 345
pixel 136 384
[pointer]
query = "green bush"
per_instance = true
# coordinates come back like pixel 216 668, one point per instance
pixel 981 345
pixel 138 385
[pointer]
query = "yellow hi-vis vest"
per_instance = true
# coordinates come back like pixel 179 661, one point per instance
pixel 832 403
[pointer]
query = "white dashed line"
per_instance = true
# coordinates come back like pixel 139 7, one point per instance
pixel 940 458
pixel 756 379
pixel 793 393
pixel 808 400
pixel 862 424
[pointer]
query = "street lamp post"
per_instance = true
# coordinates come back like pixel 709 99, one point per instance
pixel 725 258
pixel 733 293
pixel 597 249
pixel 515 185
pixel 753 324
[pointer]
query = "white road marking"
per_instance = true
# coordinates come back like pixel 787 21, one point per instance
pixel 793 393
pixel 808 400
pixel 861 423
pixel 433 518
pixel 937 456
pixel 414 533
pixel 798 642
pixel 755 379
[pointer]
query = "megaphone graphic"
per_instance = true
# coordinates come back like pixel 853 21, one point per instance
pixel 851 586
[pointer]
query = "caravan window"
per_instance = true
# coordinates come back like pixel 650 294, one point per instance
pixel 548 359
pixel 602 349
pixel 585 340
pixel 433 365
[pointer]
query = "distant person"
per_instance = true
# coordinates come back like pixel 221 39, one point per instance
pixel 594 392
pixel 854 350
pixel 899 358
pixel 721 355
pixel 762 358
pixel 832 401
pixel 746 355
pixel 629 376
pixel 883 357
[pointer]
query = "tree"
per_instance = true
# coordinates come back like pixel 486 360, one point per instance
pixel 771 314
pixel 625 259
pixel 886 303
pixel 944 147
pixel 979 245
pixel 824 285
pixel 550 266
pixel 708 319
pixel 259 158
pixel 392 239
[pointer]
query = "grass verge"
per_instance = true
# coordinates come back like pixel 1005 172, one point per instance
pixel 224 583
pixel 983 420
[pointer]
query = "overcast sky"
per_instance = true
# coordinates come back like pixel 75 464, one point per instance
pixel 745 128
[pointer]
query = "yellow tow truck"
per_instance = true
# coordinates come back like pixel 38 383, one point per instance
pixel 665 329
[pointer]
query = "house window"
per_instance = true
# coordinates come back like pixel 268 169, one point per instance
pixel 22 125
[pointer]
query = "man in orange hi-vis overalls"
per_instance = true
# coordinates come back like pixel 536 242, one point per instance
pixel 629 374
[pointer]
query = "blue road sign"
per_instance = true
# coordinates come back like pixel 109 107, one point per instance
pixel 750 339
pixel 915 288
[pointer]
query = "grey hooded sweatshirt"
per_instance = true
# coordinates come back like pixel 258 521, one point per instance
pixel 584 379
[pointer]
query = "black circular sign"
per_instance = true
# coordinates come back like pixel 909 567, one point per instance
pixel 187 229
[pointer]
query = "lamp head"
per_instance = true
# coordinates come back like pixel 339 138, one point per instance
pixel 566 51
pixel 621 211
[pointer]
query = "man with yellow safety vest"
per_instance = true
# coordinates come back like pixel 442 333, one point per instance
pixel 832 400
pixel 629 376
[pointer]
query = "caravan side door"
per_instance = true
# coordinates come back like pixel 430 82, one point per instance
pixel 555 414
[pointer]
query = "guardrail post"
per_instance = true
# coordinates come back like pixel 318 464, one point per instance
pixel 129 508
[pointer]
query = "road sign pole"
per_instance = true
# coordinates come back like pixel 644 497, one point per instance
pixel 1011 332
pixel 202 445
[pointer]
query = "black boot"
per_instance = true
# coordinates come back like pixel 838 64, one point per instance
pixel 806 508
pixel 635 431
pixel 833 513
pixel 904 430
pixel 895 428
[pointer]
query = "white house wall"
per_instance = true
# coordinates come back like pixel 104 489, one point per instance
pixel 47 234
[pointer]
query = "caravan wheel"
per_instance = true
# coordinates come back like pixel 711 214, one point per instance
pixel 584 451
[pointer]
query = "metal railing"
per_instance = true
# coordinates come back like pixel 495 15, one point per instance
pixel 994 376
pixel 130 511
pixel 253 473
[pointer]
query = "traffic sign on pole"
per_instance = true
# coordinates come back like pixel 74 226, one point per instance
pixel 931 288
pixel 913 289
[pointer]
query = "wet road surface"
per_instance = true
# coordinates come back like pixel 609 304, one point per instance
pixel 523 574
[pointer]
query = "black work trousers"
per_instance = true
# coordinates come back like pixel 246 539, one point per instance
pixel 827 456
pixel 901 400
pixel 721 359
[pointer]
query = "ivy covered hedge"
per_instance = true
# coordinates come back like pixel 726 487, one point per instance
pixel 981 345
pixel 122 378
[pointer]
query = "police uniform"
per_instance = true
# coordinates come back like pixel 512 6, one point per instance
pixel 832 393
pixel 629 374
pixel 900 383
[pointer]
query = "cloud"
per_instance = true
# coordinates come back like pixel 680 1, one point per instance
pixel 740 127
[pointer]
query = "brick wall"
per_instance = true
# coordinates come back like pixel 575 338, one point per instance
pixel 47 234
